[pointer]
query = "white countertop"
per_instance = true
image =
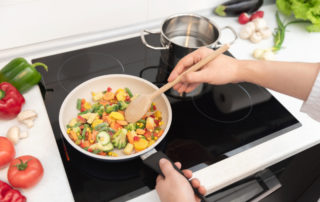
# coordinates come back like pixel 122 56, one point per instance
pixel 299 46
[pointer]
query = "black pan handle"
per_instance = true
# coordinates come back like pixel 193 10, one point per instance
pixel 153 162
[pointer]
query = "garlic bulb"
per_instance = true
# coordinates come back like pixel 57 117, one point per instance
pixel 256 37
pixel 245 33
pixel 260 24
pixel 250 26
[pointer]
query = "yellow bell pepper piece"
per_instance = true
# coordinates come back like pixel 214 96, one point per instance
pixel 116 116
pixel 121 94
pixel 96 122
pixel 87 105
pixel 141 144
pixel 157 114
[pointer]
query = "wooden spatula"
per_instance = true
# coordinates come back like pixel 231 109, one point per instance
pixel 139 106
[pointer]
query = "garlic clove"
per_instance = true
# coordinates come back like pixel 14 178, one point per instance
pixel 245 33
pixel 27 114
pixel 28 122
pixel 23 135
pixel 256 37
pixel 260 24
pixel 250 26
pixel 266 33
pixel 13 134
pixel 26 117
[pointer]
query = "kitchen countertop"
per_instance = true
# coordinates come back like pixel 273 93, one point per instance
pixel 299 45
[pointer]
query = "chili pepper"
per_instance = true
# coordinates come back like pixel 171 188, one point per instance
pixel 21 74
pixel 11 101
pixel 8 194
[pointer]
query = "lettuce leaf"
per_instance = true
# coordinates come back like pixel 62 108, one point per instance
pixel 302 9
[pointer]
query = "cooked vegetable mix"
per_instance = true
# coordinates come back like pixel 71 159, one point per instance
pixel 100 126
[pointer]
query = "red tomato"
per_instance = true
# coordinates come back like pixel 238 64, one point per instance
pixel 25 171
pixel 7 151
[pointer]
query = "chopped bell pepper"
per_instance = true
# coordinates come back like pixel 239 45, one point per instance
pixel 21 74
pixel 8 194
pixel 11 101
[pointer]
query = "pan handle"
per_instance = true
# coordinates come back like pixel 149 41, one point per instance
pixel 143 39
pixel 152 161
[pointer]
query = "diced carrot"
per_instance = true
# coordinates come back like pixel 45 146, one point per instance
pixel 122 122
pixel 115 126
pixel 130 137
pixel 92 136
pixel 108 96
pixel 102 153
pixel 103 102
pixel 140 131
pixel 159 133
pixel 73 135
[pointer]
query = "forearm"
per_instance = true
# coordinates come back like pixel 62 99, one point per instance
pixel 291 78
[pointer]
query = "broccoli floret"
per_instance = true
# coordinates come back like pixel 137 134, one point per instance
pixel 119 140
pixel 112 108
pixel 123 105
pixel 131 126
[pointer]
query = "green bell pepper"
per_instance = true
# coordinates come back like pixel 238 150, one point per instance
pixel 21 74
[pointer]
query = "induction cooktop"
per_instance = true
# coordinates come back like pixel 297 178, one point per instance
pixel 207 123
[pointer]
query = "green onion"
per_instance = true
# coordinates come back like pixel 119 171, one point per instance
pixel 280 32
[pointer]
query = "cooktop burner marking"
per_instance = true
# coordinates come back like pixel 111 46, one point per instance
pixel 71 72
pixel 225 103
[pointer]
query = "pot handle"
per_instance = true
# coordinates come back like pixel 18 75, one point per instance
pixel 148 45
pixel 234 33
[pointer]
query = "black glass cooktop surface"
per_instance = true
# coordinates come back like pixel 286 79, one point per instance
pixel 206 123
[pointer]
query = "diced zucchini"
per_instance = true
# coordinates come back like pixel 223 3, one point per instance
pixel 106 148
pixel 103 138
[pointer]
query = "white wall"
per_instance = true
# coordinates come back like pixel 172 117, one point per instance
pixel 24 22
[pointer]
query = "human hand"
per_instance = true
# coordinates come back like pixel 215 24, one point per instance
pixel 175 187
pixel 221 70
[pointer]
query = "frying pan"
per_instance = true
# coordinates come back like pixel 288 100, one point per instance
pixel 137 85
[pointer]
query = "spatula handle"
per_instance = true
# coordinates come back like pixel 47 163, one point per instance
pixel 193 68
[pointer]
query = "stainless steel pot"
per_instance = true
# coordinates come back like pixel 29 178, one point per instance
pixel 183 33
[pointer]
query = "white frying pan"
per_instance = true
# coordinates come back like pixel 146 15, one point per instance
pixel 137 85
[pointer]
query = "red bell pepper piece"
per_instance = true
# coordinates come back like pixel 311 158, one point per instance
pixel 8 194
pixel 11 101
